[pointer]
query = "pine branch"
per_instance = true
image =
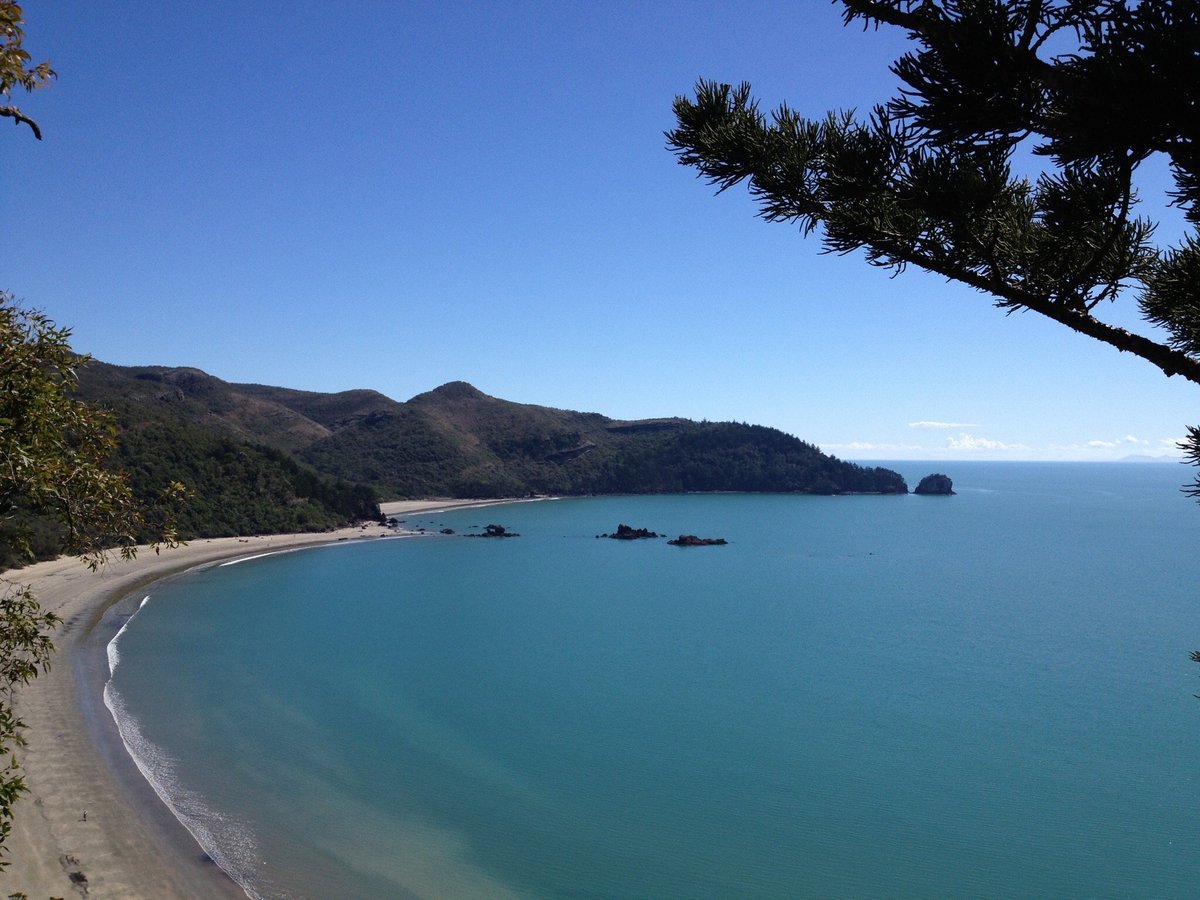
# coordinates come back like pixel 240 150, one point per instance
pixel 1167 359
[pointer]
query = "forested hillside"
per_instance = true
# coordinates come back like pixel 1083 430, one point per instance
pixel 268 459
pixel 230 450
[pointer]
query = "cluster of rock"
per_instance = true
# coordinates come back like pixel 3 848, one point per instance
pixel 931 485
pixel 627 533
pixel 690 540
pixel 495 531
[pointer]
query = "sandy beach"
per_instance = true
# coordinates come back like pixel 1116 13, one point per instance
pixel 90 824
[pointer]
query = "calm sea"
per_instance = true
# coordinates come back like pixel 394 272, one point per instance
pixel 986 695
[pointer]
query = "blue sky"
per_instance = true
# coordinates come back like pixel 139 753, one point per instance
pixel 396 195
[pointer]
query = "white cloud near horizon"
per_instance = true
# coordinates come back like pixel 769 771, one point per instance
pixel 1116 449
pixel 941 425
pixel 1125 441
pixel 966 446
pixel 970 443
pixel 868 445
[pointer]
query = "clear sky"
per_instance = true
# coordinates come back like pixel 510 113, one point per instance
pixel 394 195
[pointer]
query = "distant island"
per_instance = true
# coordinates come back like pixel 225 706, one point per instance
pixel 260 459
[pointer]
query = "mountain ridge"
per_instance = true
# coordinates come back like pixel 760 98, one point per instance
pixel 323 454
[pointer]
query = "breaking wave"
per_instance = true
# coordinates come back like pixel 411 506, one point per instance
pixel 228 842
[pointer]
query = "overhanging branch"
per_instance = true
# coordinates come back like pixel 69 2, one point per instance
pixel 1169 360
pixel 11 112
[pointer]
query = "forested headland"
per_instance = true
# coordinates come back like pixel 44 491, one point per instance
pixel 258 459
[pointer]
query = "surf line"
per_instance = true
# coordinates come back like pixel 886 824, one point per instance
pixel 340 542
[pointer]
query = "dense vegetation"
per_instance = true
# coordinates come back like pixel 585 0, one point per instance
pixel 56 494
pixel 236 487
pixel 260 458
pixel 182 425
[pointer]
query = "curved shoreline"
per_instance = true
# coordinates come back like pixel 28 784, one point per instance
pixel 130 845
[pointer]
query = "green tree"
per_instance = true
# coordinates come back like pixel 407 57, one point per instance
pixel 53 450
pixel 15 70
pixel 1092 89
pixel 25 645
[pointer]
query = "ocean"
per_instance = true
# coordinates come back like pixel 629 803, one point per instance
pixel 984 695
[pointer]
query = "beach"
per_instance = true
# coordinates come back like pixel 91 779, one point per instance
pixel 90 825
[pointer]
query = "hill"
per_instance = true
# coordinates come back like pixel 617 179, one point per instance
pixel 234 453
pixel 260 458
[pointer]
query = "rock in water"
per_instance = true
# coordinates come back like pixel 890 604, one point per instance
pixel 626 533
pixel 495 531
pixel 935 485
pixel 690 540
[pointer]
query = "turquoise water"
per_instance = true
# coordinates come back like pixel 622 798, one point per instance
pixel 982 695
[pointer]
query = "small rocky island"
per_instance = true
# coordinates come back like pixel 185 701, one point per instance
pixel 495 531
pixel 626 533
pixel 690 540
pixel 935 485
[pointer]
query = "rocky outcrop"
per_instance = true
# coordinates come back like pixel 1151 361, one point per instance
pixel 626 533
pixel 935 485
pixel 495 531
pixel 690 540
pixel 559 456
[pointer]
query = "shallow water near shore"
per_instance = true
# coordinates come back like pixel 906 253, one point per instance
pixel 982 695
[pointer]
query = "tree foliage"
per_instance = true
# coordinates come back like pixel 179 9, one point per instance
pixel 53 447
pixel 25 649
pixel 15 68
pixel 1091 89
pixel 236 488
pixel 52 454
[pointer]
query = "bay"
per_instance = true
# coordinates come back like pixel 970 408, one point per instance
pixel 982 695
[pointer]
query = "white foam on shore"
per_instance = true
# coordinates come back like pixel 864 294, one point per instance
pixel 242 559
pixel 235 851
pixel 339 542
pixel 483 504
pixel 114 653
